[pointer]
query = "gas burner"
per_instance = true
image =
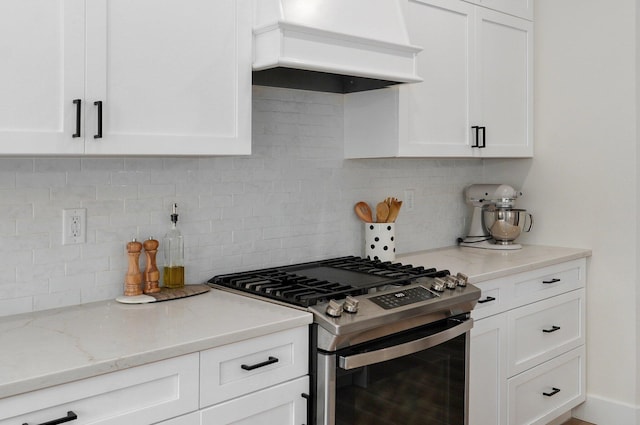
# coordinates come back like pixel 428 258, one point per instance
pixel 316 282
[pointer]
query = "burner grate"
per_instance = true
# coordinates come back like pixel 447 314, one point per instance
pixel 311 283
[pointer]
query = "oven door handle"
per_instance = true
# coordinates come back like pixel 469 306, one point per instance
pixel 372 357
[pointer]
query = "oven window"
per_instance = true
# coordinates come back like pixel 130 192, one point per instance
pixel 426 388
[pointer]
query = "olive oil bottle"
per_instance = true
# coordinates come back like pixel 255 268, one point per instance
pixel 174 254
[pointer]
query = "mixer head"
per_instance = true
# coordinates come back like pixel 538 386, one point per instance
pixel 501 195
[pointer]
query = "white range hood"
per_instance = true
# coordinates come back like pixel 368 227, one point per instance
pixel 363 43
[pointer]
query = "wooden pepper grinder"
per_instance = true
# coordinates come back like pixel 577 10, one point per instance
pixel 151 274
pixel 133 279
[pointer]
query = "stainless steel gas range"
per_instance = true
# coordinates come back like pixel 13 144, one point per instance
pixel 389 343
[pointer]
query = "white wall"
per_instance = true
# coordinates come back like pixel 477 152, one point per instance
pixel 582 184
pixel 291 201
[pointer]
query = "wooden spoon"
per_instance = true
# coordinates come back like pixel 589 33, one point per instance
pixel 363 211
pixel 393 211
pixel 382 212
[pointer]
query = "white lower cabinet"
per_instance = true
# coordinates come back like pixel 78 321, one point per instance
pixel 538 395
pixel 263 380
pixel 488 371
pixel 139 395
pixel 281 404
pixel 258 381
pixel 527 347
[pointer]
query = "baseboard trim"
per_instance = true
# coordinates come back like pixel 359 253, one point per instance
pixel 603 411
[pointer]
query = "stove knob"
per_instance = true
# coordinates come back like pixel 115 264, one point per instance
pixel 438 284
pixel 334 309
pixel 350 305
pixel 451 282
pixel 463 279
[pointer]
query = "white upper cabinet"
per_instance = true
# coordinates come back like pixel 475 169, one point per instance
pixel 41 73
pixel 476 97
pixel 520 8
pixel 160 77
pixel 504 90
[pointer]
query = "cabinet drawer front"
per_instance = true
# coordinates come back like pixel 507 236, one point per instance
pixel 548 282
pixel 236 369
pixel 541 394
pixel 493 299
pixel 540 331
pixel 143 394
pixel 282 404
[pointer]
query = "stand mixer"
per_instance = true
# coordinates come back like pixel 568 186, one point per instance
pixel 495 224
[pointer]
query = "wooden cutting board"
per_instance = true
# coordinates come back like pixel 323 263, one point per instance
pixel 165 294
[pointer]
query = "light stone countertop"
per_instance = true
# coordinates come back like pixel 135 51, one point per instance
pixel 485 264
pixel 52 347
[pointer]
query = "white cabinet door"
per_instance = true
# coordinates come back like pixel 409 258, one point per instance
pixel 174 77
pixel 521 8
pixel 503 93
pixel 438 117
pixel 281 404
pixel 41 72
pixel 488 372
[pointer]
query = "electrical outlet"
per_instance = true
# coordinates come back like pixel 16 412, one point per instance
pixel 74 226
pixel 409 199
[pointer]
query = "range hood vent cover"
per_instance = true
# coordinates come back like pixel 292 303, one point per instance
pixel 332 45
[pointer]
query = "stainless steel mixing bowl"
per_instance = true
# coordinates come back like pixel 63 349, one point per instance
pixel 505 224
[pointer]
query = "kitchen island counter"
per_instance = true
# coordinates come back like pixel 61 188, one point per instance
pixel 486 264
pixel 52 347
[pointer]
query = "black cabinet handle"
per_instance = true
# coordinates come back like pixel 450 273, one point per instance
pixel 271 360
pixel 553 329
pixel 486 300
pixel 70 417
pixel 308 398
pixel 484 137
pixel 78 104
pixel 552 393
pixel 477 144
pixel 98 103
pixel 551 281
pixel 477 129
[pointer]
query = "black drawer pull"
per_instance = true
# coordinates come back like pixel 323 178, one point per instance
pixel 552 393
pixel 551 281
pixel 98 103
pixel 78 104
pixel 70 417
pixel 271 360
pixel 553 329
pixel 486 300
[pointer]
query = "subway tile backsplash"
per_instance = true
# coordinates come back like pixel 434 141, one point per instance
pixel 290 201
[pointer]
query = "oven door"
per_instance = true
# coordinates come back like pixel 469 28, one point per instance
pixel 417 377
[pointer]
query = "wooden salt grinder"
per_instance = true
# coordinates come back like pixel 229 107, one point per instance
pixel 133 279
pixel 151 274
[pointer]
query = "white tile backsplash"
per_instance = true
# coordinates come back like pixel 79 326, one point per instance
pixel 290 201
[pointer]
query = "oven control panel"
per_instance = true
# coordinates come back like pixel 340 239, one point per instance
pixel 403 297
